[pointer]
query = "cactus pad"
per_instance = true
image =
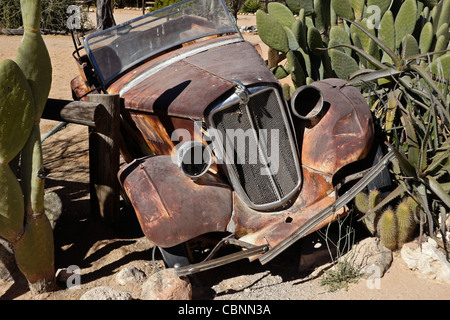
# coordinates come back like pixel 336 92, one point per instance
pixel 271 32
pixel 34 60
pixel 426 37
pixel 16 110
pixel 343 64
pixel 282 13
pixel 11 205
pixel 405 21
pixel 343 9
pixel 297 5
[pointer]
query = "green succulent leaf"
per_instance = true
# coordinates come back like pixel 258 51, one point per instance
pixel 299 30
pixel 314 41
pixel 343 9
pixel 383 5
pixel 280 72
pixel 295 68
pixel 358 8
pixel 16 110
pixel 338 35
pixel 405 21
pixel 322 15
pixel 386 32
pixel 444 14
pixel 297 5
pixel 406 166
pixel 436 187
pixel 282 13
pixel 410 47
pixel 426 37
pixel 381 44
pixel 343 64
pixel 430 3
pixel 293 44
pixel 271 32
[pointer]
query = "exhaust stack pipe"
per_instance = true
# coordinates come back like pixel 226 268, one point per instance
pixel 307 104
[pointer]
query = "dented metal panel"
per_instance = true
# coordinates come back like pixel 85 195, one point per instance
pixel 172 208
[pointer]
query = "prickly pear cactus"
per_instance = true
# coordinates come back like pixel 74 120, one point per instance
pixel 16 110
pixel 390 21
pixel 24 89
pixel 16 117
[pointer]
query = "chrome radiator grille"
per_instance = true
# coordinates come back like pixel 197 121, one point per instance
pixel 260 152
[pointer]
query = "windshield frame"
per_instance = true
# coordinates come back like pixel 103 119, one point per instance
pixel 158 15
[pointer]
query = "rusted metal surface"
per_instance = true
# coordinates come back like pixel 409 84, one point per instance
pixel 175 89
pixel 343 136
pixel 271 228
pixel 171 207
pixel 79 88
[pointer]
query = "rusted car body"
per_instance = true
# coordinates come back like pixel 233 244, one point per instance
pixel 210 142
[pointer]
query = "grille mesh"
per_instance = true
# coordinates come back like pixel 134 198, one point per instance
pixel 241 128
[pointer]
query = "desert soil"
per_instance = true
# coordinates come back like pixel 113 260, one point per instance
pixel 101 253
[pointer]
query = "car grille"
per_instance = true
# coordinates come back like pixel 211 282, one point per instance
pixel 262 121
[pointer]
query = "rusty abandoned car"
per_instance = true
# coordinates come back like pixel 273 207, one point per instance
pixel 211 144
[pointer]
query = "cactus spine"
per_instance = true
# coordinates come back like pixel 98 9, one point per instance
pixel 405 222
pixel 23 220
pixel 393 227
pixel 387 229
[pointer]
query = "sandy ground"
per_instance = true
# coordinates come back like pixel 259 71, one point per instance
pixel 100 253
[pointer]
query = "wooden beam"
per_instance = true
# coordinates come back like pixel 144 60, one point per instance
pixel 78 112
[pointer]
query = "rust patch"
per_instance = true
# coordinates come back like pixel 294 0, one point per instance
pixel 172 208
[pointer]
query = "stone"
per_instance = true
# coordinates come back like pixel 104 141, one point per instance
pixel 165 285
pixel 105 293
pixel 130 274
pixel 53 207
pixel 428 261
pixel 370 256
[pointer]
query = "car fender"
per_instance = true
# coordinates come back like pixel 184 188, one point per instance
pixel 171 207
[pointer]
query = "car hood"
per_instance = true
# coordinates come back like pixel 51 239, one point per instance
pixel 184 82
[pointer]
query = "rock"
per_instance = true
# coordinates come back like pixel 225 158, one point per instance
pixel 129 274
pixel 165 285
pixel 428 261
pixel 53 207
pixel 105 293
pixel 70 277
pixel 370 256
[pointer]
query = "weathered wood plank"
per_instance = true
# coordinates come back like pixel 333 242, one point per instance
pixel 104 158
pixel 78 112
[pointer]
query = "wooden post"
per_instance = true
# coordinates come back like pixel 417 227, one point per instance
pixel 104 158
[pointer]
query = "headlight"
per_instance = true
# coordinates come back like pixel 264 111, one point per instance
pixel 194 159
pixel 307 104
